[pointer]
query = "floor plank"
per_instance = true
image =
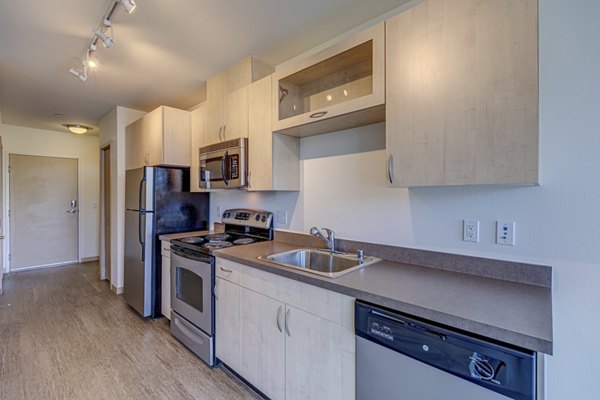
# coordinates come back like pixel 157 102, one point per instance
pixel 65 335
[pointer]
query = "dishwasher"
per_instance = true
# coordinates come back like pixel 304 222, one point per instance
pixel 403 358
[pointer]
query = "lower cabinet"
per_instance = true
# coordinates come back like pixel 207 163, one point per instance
pixel 289 339
pixel 165 275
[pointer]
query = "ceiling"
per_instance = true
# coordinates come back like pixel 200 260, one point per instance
pixel 164 51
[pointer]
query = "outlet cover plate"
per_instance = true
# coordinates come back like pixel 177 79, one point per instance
pixel 505 233
pixel 471 230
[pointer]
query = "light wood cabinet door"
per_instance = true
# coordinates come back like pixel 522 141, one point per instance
pixel 213 121
pixel 236 114
pixel 227 323
pixel 462 93
pixel 273 158
pixel 161 137
pixel 262 343
pixel 320 358
pixel 197 141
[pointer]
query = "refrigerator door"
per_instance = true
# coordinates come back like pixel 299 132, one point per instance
pixel 139 241
pixel 139 189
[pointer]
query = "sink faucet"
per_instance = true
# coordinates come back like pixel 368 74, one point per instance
pixel 329 239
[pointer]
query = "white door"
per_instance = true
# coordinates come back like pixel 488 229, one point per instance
pixel 43 213
pixel 1 215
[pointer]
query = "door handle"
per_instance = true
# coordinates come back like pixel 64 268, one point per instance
pixel 223 161
pixel 287 322
pixel 390 168
pixel 278 317
pixel 140 236
pixel 72 211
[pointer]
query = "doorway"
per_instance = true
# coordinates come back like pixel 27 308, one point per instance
pixel 105 259
pixel 43 211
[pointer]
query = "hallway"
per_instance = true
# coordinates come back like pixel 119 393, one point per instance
pixel 64 335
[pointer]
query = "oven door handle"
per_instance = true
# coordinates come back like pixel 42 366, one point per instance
pixel 223 161
pixel 189 256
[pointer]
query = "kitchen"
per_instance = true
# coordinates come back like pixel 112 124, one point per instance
pixel 431 218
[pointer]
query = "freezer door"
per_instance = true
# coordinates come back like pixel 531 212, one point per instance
pixel 139 189
pixel 138 261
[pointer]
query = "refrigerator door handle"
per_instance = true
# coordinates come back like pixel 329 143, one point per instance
pixel 141 221
pixel 140 195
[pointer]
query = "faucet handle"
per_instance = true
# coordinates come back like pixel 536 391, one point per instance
pixel 314 231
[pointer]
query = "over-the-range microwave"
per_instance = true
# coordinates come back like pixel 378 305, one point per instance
pixel 224 165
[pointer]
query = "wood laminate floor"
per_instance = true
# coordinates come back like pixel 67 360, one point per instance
pixel 64 335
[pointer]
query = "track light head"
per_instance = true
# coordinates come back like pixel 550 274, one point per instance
pixel 106 41
pixel 128 5
pixel 79 74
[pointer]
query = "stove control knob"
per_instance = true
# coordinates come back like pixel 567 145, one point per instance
pixel 258 217
pixel 264 218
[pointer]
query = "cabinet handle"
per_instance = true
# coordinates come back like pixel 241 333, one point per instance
pixel 287 322
pixel 318 114
pixel 226 270
pixel 248 178
pixel 279 316
pixel 225 132
pixel 216 286
pixel 390 168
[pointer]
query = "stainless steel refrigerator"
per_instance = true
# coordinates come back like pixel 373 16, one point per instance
pixel 157 201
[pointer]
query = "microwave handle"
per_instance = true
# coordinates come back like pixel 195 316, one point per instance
pixel 223 160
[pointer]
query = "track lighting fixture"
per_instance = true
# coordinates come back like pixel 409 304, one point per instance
pixel 129 5
pixel 106 41
pixel 81 74
pixel 100 34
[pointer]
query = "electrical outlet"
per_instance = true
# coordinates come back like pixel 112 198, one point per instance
pixel 218 213
pixel 282 217
pixel 505 233
pixel 471 231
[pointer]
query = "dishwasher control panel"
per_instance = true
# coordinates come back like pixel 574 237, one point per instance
pixel 502 369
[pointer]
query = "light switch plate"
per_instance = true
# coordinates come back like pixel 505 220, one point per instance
pixel 505 233
pixel 218 213
pixel 282 217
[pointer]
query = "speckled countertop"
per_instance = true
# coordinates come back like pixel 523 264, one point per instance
pixel 515 313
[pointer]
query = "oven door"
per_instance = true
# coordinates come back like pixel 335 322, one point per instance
pixel 224 169
pixel 192 281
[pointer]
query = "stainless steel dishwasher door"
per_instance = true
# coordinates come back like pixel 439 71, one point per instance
pixel 384 374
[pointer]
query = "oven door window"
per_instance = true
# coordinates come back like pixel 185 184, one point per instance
pixel 189 288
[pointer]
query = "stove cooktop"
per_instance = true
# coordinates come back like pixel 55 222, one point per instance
pixel 242 227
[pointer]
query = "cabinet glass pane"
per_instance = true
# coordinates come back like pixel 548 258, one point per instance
pixel 341 78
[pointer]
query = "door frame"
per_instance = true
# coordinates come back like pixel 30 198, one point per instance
pixel 7 225
pixel 102 251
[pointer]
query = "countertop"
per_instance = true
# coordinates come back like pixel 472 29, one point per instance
pixel 515 313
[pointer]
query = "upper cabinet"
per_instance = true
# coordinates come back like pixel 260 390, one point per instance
pixel 161 137
pixel 337 88
pixel 273 158
pixel 226 112
pixel 462 93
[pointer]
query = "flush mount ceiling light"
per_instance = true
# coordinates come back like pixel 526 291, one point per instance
pixel 100 34
pixel 77 129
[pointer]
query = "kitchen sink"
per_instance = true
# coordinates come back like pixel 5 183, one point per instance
pixel 319 261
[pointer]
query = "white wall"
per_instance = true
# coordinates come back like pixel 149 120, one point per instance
pixel 558 223
pixel 21 140
pixel 112 132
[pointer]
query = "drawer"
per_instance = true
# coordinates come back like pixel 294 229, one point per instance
pixel 165 248
pixel 227 270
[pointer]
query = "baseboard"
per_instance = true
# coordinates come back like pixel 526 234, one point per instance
pixel 88 259
pixel 116 290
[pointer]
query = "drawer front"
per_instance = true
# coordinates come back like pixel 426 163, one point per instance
pixel 165 248
pixel 227 270
pixel 332 306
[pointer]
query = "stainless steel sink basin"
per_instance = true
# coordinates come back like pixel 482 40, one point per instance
pixel 321 262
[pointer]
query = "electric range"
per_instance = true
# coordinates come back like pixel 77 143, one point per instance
pixel 193 276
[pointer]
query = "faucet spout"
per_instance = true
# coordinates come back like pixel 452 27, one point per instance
pixel 329 239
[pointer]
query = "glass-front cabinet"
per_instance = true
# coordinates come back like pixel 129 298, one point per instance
pixel 340 87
